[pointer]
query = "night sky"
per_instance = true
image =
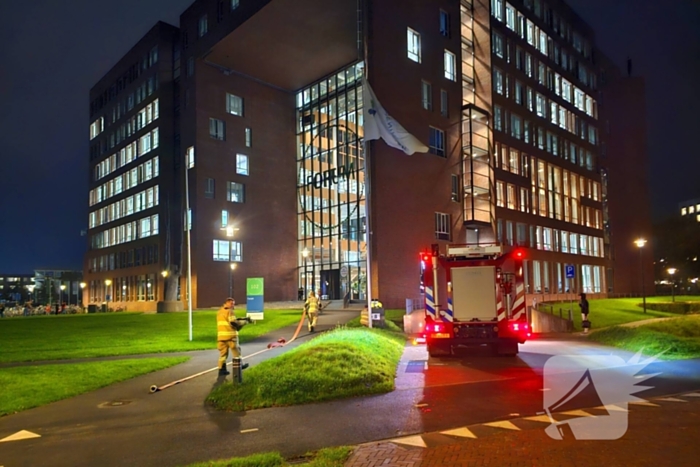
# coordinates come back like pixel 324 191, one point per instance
pixel 53 52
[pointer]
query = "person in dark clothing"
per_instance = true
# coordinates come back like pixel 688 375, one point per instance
pixel 583 304
pixel 301 293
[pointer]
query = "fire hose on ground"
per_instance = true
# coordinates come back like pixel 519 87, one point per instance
pixel 270 346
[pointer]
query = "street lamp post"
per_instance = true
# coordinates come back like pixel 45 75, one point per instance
pixel 108 282
pixel 640 244
pixel 671 272
pixel 82 292
pixel 60 296
pixel 230 279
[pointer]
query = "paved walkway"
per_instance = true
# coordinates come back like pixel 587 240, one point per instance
pixel 661 432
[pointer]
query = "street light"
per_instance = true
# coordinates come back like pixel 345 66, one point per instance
pixel 108 282
pixel 230 280
pixel 60 297
pixel 164 273
pixel 640 242
pixel 82 292
pixel 672 271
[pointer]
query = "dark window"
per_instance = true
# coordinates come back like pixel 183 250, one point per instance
pixel 455 188
pixel 217 129
pixel 444 23
pixel 437 141
pixel 209 188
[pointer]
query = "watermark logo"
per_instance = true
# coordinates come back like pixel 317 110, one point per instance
pixel 607 381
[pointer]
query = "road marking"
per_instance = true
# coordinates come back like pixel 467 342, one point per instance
pixel 461 432
pixel 20 435
pixel 578 413
pixel 249 430
pixel 416 440
pixel 504 424
pixel 670 399
pixel 692 394
pixel 645 403
pixel 540 418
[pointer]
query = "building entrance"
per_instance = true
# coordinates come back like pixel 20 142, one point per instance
pixel 330 284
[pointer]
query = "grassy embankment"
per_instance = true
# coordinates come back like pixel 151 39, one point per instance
pixel 102 335
pixel 25 387
pixel 111 334
pixel 347 362
pixel 608 312
pixel 678 338
pixel 329 457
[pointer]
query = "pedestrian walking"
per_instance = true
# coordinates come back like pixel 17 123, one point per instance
pixel 300 294
pixel 311 309
pixel 227 327
pixel 583 304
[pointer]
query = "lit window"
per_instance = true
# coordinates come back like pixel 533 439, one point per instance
pixel 189 157
pixel 222 250
pixel 203 26
pixel 437 141
pixel 515 126
pixel 234 105
pixel 498 81
pixel 236 252
pixel 442 226
pixel 248 137
pixel 691 209
pixel 413 45
pixel 96 127
pixel 497 44
pixel 427 95
pixel 235 192
pixel 235 4
pixel 241 164
pixel 450 66
pixel 224 219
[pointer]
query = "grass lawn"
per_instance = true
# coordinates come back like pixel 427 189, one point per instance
pixel 109 334
pixel 32 386
pixel 608 311
pixel 337 364
pixel 329 457
pixel 678 338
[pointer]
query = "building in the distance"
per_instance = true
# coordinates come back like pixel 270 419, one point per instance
pixel 507 95
pixel 16 287
pixel 690 209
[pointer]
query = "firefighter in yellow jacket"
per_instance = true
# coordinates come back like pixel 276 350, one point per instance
pixel 227 327
pixel 311 306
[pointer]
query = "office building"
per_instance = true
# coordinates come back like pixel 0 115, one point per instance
pixel 505 94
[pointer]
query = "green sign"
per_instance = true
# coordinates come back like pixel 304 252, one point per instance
pixel 255 303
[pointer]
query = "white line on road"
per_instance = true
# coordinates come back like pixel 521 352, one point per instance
pixel 251 430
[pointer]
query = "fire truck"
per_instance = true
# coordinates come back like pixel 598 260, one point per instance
pixel 474 296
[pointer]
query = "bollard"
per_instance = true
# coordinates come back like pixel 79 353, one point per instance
pixel 236 370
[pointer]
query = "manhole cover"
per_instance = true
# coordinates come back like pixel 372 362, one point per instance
pixel 115 404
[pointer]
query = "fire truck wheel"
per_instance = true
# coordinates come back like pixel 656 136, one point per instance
pixel 506 349
pixel 438 351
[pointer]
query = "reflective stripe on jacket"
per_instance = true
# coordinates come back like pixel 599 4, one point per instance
pixel 224 330
pixel 312 304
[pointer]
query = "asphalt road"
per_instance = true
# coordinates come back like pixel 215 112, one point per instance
pixel 174 427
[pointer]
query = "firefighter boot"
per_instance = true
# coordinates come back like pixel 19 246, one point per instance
pixel 223 371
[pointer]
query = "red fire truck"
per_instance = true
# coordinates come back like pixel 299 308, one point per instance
pixel 474 296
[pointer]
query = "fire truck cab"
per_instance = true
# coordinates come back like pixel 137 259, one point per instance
pixel 474 296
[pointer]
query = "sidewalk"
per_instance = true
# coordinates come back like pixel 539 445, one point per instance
pixel 662 432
